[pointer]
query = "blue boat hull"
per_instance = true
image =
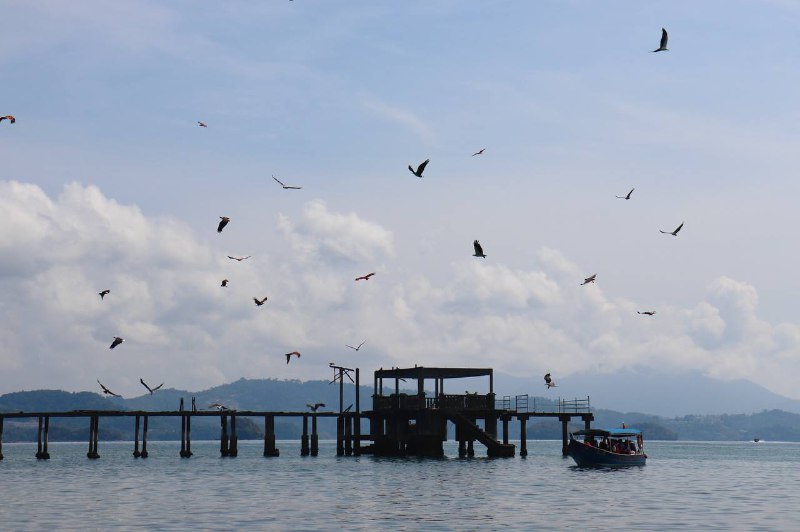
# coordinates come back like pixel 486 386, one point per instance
pixel 588 456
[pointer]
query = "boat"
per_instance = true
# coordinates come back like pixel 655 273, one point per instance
pixel 607 448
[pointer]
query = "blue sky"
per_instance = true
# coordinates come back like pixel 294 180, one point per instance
pixel 340 97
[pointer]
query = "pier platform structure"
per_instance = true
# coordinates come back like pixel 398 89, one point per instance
pixel 400 424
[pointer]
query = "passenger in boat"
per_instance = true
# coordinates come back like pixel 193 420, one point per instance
pixel 591 441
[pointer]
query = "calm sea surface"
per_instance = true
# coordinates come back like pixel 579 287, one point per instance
pixel 689 485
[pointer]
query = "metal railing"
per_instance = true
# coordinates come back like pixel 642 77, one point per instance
pixel 573 406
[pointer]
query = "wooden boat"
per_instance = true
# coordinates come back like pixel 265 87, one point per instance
pixel 607 448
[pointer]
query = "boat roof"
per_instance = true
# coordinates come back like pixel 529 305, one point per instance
pixel 618 433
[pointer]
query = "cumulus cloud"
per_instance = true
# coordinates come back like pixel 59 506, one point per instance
pixel 182 327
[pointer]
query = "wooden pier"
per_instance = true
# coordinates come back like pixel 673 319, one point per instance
pixel 400 424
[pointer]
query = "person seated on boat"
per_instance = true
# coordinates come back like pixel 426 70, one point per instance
pixel 604 444
pixel 591 441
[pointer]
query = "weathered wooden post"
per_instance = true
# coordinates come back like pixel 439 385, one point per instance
pixel 223 437
pixel 269 437
pixel 314 436
pixel 523 436
pixel 340 435
pixel 143 454
pixel 91 437
pixel 357 420
pixel 188 436
pixel 136 453
pixel 45 453
pixel 233 451
pixel 94 429
pixel 1 437
pixel 470 448
pixel 564 420
pixel 183 436
pixel 304 451
pixel 462 448
pixel 505 428
pixel 348 435
pixel 39 440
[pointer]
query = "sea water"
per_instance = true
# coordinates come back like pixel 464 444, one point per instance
pixel 688 485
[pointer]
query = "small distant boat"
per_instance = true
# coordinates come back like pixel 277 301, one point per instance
pixel 607 448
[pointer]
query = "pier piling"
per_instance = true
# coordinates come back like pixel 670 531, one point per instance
pixel 143 454
pixel 45 453
pixel 564 420
pixel 269 437
pixel 223 438
pixel 304 450
pixel 348 435
pixel 506 419
pixel 340 435
pixel 314 436
pixel 523 436
pixel 183 437
pixel 39 439
pixel 186 436
pixel 233 450
pixel 1 437
pixel 136 453
pixel 94 428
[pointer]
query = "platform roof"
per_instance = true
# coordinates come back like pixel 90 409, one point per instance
pixel 432 373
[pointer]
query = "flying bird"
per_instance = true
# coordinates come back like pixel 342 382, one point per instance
pixel 647 312
pixel 628 195
pixel 662 47
pixel 315 406
pixel 478 250
pixel 106 390
pixel 224 283
pixel 285 187
pixel 116 342
pixel 218 406
pixel 549 382
pixel 479 152
pixel 104 293
pixel 673 233
pixel 420 168
pixel 238 259
pixel 149 389
pixel 260 302
pixel 290 355
pixel 589 279
pixel 356 348
pixel 201 124
pixel 365 277
pixel 10 118
pixel 223 221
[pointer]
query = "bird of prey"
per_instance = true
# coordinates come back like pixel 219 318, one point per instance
pixel 106 390
pixel 647 312
pixel 260 302
pixel 116 342
pixel 238 259
pixel 479 152
pixel 348 408
pixel 315 406
pixel 290 355
pixel 223 221
pixel 673 233
pixel 589 279
pixel 201 124
pixel 285 187
pixel 104 293
pixel 478 250
pixel 356 348
pixel 420 168
pixel 149 389
pixel 628 195
pixel 224 283
pixel 218 406
pixel 365 277
pixel 662 47
pixel 10 118
pixel 549 382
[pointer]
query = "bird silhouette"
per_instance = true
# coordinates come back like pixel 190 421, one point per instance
pixel 348 408
pixel 662 47
pixel 201 124
pixel 149 389
pixel 223 221
pixel 589 279
pixel 218 406
pixel 549 382
pixel 356 348
pixel 286 187
pixel 365 277
pixel 104 293
pixel 106 390
pixel 238 259
pixel 224 283
pixel 627 196
pixel 290 355
pixel 479 152
pixel 478 250
pixel 420 168
pixel 315 406
pixel 260 302
pixel 116 342
pixel 673 233
pixel 647 312
pixel 10 119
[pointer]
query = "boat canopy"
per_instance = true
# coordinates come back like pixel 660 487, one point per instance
pixel 613 433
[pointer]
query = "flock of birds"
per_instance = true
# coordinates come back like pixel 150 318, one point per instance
pixel 418 172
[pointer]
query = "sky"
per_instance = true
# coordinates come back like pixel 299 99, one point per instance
pixel 108 182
